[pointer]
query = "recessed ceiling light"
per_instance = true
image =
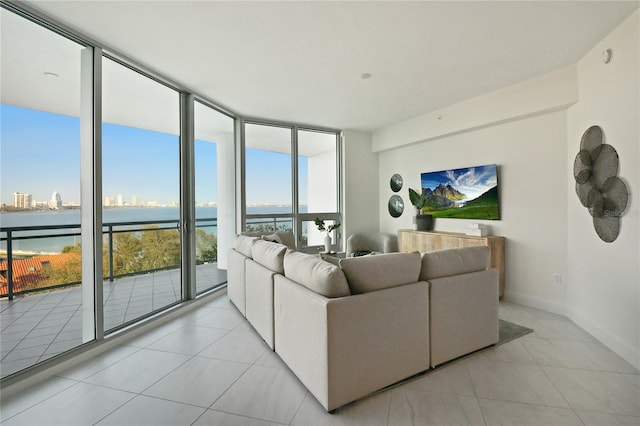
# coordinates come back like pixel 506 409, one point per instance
pixel 50 74
pixel 365 76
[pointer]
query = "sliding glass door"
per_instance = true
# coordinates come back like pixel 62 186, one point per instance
pixel 141 195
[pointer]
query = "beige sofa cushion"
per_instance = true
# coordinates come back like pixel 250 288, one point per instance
pixel 371 273
pixel 285 238
pixel 455 261
pixel 270 255
pixel 243 244
pixel 315 274
pixel 331 259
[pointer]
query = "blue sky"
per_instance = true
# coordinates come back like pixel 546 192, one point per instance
pixel 471 181
pixel 40 153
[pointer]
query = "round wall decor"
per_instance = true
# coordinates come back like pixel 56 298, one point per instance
pixel 598 187
pixel 396 183
pixel 396 205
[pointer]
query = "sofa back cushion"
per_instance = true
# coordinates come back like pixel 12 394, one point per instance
pixel 455 261
pixel 315 274
pixel 270 255
pixel 371 273
pixel 243 244
pixel 285 238
pixel 331 259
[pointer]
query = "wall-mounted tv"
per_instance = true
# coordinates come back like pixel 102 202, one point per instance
pixel 467 193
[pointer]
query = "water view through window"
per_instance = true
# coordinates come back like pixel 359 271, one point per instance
pixel 92 235
pixel 40 187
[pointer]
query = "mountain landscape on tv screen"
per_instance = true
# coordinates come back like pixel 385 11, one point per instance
pixel 469 193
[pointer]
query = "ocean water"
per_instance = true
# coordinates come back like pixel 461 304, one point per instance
pixel 55 244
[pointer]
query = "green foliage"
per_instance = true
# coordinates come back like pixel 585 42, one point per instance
pixel 134 252
pixel 69 272
pixel 160 249
pixel 142 251
pixel 127 251
pixel 483 207
pixel 418 199
pixel 321 227
pixel 206 246
pixel 479 212
pixel 268 227
pixel 72 249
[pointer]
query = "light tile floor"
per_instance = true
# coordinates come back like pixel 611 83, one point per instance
pixel 209 367
pixel 38 326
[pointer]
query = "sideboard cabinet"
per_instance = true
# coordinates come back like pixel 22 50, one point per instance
pixel 411 240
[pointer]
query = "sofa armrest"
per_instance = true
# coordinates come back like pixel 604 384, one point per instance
pixel 345 348
pixel 236 279
pixel 464 314
pixel 259 299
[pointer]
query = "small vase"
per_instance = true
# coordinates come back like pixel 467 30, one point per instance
pixel 327 243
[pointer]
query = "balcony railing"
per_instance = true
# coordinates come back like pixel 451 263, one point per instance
pixel 269 222
pixel 110 231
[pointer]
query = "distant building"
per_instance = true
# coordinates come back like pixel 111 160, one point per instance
pixel 56 201
pixel 134 200
pixel 21 201
pixel 39 205
pixel 120 200
pixel 29 273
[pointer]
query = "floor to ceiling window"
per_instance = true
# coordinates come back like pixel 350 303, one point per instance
pixel 268 190
pixel 213 153
pixel 102 176
pixel 318 186
pixel 141 191
pixel 287 191
pixel 40 212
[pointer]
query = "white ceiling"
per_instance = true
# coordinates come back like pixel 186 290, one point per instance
pixel 302 61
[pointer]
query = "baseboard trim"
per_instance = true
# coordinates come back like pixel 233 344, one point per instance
pixel 610 340
pixel 613 342
pixel 536 302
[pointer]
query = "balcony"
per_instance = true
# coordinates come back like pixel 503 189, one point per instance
pixel 40 321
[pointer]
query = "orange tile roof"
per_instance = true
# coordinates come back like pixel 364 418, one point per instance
pixel 27 272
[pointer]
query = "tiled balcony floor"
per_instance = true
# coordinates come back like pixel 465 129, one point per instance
pixel 38 326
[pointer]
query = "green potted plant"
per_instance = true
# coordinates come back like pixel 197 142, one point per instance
pixel 327 238
pixel 424 221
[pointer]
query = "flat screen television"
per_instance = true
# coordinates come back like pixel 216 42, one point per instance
pixel 467 193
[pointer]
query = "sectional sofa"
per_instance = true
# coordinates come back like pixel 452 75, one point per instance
pixel 349 327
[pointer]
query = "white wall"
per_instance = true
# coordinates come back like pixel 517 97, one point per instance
pixel 360 185
pixel 531 158
pixel 532 130
pixel 604 278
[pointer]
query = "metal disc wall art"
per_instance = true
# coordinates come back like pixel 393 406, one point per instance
pixel 605 195
pixel 396 206
pixel 396 182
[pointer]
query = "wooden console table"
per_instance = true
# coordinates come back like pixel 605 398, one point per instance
pixel 411 240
